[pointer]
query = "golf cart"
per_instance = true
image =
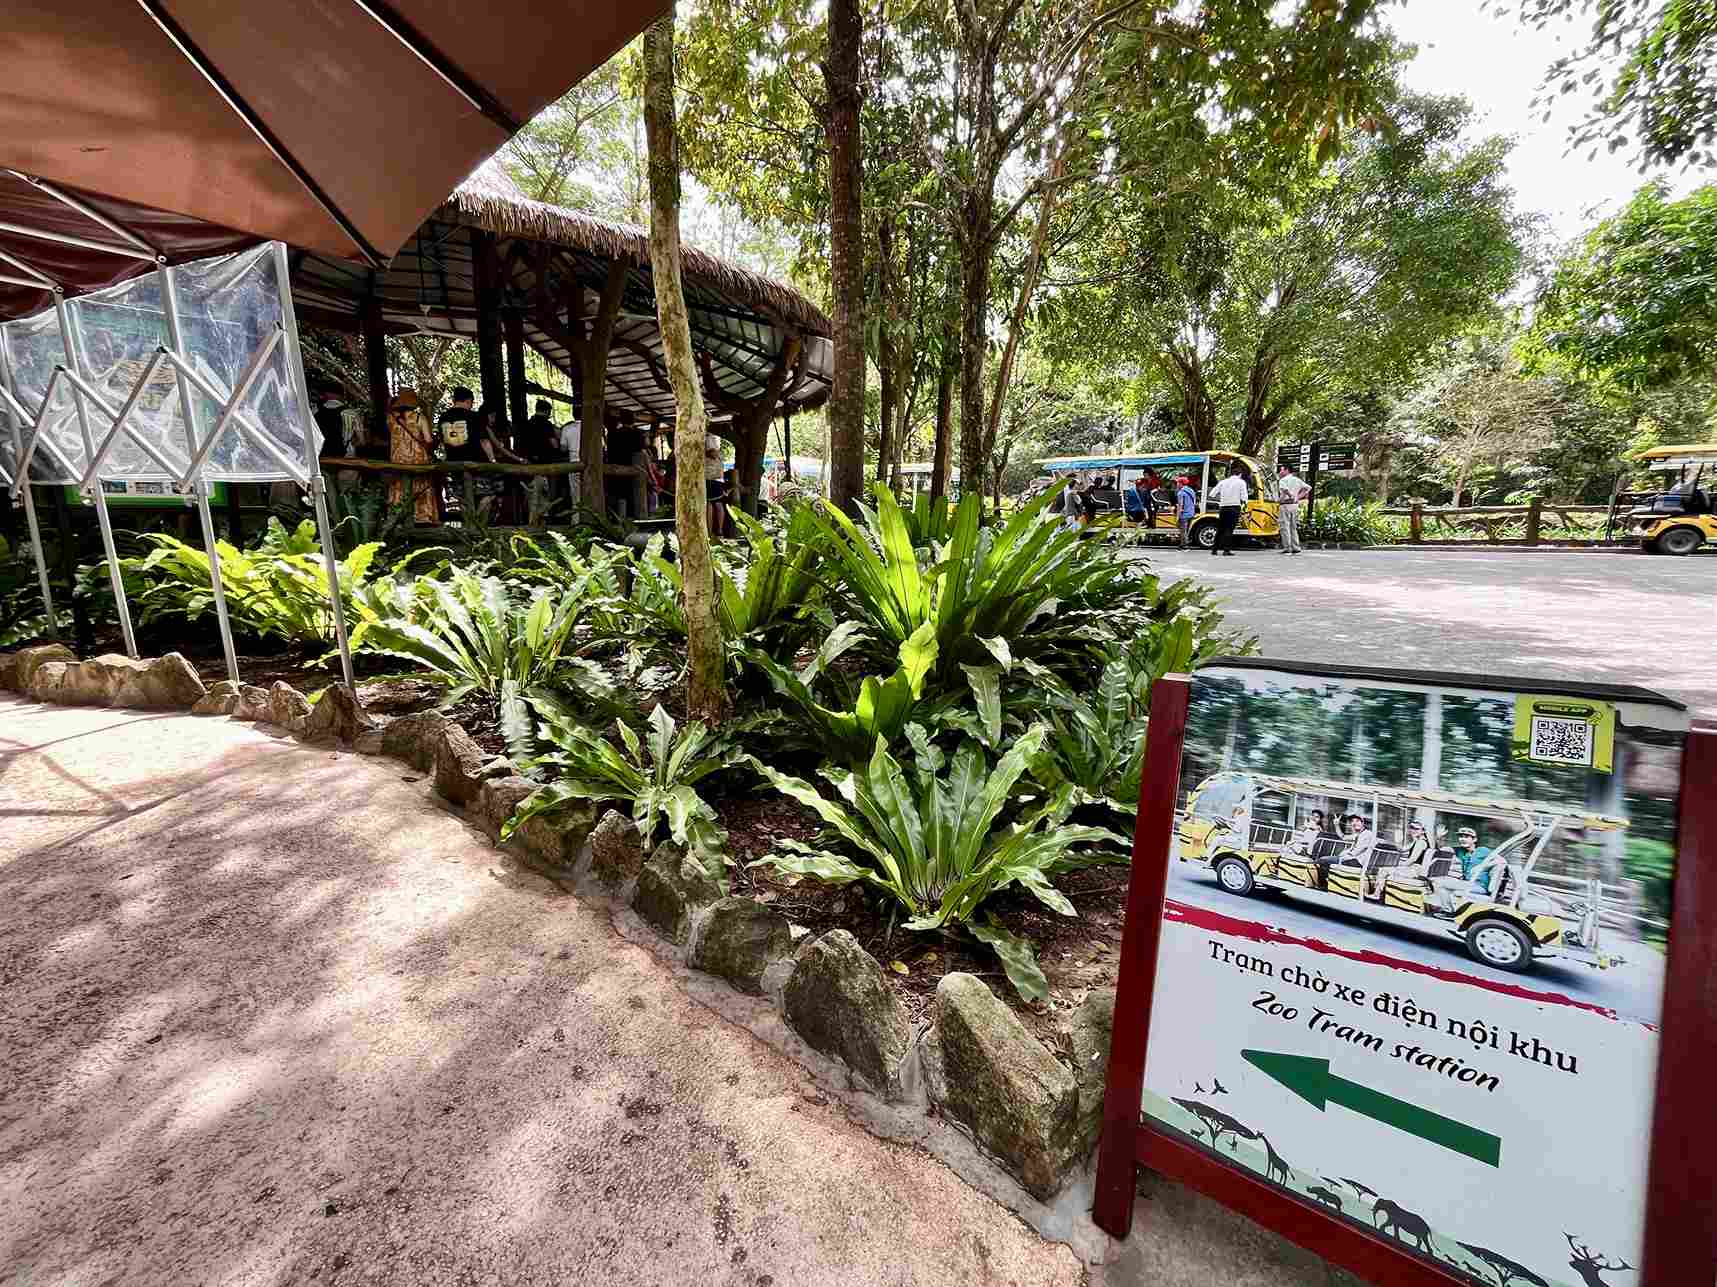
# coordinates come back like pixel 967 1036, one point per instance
pixel 1678 520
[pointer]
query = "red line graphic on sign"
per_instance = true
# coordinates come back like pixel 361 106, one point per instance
pixel 1186 914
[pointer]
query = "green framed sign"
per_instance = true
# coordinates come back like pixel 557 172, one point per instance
pixel 144 495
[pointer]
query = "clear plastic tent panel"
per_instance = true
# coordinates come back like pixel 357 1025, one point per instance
pixel 228 309
pixel 33 348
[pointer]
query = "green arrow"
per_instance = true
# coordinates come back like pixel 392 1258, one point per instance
pixel 1312 1081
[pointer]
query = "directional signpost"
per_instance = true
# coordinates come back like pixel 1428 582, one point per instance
pixel 1309 459
pixel 1404 1010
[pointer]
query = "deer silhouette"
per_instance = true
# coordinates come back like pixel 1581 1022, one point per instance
pixel 1325 1196
pixel 1276 1165
pixel 1590 1267
pixel 1401 1224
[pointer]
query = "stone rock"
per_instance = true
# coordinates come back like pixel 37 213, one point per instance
pixel 24 662
pixel 48 681
pixel 498 797
pixel 368 743
pixel 459 765
pixel 837 1001
pixel 414 738
pixel 287 707
pixel 1088 1035
pixel 8 671
pixel 165 683
pixel 616 849
pixel 338 714
pixel 740 940
pixel 672 889
pixel 252 703
pixel 221 699
pixel 398 696
pixel 982 1068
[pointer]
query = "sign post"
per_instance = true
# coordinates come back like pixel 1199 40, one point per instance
pixel 1450 1046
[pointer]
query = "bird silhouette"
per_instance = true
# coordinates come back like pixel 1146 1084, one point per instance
pixel 1198 1088
pixel 1219 1088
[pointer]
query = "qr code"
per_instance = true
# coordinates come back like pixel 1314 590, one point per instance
pixel 1561 741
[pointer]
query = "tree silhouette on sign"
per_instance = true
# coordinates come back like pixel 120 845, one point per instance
pixel 1508 1272
pixel 1218 1123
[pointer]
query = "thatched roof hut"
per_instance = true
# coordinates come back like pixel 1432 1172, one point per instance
pixel 552 264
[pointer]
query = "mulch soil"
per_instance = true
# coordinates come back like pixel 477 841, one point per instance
pixel 1078 954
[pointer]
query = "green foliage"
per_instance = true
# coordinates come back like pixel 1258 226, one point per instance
pixel 1652 863
pixel 768 604
pixel 1350 522
pixel 936 841
pixel 657 774
pixel 276 590
pixel 1660 95
pixel 1634 302
pixel 879 709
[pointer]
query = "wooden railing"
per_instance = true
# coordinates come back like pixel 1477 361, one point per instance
pixel 465 471
pixel 1456 520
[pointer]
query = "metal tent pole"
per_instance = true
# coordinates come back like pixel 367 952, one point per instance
pixel 200 488
pixel 74 359
pixel 29 496
pixel 312 466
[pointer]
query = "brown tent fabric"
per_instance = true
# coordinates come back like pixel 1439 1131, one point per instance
pixel 362 115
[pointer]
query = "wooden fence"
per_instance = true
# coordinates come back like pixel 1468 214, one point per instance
pixel 1463 521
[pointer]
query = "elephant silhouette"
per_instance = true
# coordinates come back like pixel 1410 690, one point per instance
pixel 1401 1224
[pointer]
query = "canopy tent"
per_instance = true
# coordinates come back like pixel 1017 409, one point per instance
pixel 138 136
pixel 334 126
pixel 490 249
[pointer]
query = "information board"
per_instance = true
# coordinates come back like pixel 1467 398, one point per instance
pixel 1410 965
pixel 1335 457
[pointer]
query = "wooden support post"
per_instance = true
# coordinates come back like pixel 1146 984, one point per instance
pixel 376 362
pixel 1416 525
pixel 517 410
pixel 1534 518
pixel 487 273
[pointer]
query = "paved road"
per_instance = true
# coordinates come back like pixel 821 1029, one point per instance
pixel 1623 618
pixel 268 1015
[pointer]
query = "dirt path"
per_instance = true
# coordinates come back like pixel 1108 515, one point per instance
pixel 269 1015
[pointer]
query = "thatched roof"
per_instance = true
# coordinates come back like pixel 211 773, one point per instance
pixel 490 200
pixel 553 263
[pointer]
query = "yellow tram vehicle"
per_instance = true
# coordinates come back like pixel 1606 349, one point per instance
pixel 1260 520
pixel 1680 520
pixel 1245 828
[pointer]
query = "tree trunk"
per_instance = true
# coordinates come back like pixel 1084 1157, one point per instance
pixel 885 316
pixel 1027 287
pixel 376 367
pixel 705 697
pixel 975 255
pixel 943 448
pixel 846 263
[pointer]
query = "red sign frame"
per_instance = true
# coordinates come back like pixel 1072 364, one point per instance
pixel 1681 1189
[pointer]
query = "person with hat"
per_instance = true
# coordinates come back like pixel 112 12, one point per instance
pixel 1186 505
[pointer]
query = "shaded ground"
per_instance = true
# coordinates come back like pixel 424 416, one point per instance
pixel 1619 618
pixel 270 1015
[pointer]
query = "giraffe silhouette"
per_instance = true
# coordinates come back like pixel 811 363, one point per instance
pixel 1277 1166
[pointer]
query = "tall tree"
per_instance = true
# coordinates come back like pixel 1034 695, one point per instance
pixel 846 255
pixel 705 694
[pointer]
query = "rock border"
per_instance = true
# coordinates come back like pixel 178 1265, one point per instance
pixel 1031 1110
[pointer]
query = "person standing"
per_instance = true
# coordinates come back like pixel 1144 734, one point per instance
pixel 1231 495
pixel 411 442
pixel 1290 491
pixel 714 489
pixel 1186 505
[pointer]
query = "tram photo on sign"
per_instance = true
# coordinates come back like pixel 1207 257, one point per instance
pixel 1412 958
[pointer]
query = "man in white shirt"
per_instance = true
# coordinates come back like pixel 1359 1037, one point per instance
pixel 1231 496
pixel 1290 491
